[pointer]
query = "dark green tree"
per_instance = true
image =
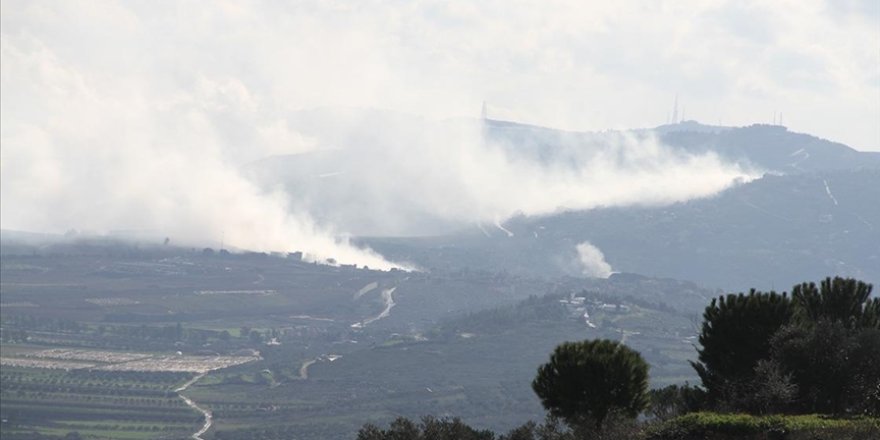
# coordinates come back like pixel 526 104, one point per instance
pixel 224 336
pixel 817 358
pixel 843 300
pixel 832 349
pixel 816 352
pixel 255 337
pixel 585 382
pixel 865 387
pixel 735 335
pixel 871 314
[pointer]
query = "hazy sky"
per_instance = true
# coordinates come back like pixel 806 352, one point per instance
pixel 139 114
pixel 573 64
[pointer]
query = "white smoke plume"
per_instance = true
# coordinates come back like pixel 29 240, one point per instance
pixel 96 153
pixel 124 115
pixel 592 261
pixel 393 174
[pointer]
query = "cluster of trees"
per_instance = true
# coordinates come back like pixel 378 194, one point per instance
pixel 815 351
pixel 16 328
pixel 40 331
pixel 585 384
pixel 533 309
pixel 431 428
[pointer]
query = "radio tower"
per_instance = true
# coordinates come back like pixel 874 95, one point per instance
pixel 675 110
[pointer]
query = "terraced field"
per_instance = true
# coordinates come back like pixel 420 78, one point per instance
pixel 94 404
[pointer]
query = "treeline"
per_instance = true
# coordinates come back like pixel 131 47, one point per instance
pixel 42 330
pixel 815 351
pixel 15 327
pixel 533 309
pixel 771 365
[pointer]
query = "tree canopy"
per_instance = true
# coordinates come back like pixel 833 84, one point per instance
pixel 586 381
pixel 814 352
pixel 736 335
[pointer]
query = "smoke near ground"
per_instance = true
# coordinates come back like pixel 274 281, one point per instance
pixel 127 116
pixel 98 154
pixel 592 261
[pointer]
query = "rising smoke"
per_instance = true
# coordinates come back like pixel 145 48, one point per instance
pixel 381 173
pixel 93 154
pixel 129 118
pixel 592 261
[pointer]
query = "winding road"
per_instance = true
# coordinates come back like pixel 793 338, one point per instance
pixel 304 369
pixel 209 419
pixel 389 304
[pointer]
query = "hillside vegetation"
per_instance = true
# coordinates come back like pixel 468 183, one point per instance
pixel 767 363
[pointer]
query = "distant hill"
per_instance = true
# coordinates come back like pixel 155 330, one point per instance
pixel 766 147
pixel 343 183
pixel 814 212
pixel 769 233
pixel 770 147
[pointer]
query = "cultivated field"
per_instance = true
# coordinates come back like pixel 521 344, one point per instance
pixel 107 341
pixel 66 359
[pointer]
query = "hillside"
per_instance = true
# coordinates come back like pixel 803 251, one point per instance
pixel 299 348
pixel 764 147
pixel 768 233
pixel 768 147
pixel 354 177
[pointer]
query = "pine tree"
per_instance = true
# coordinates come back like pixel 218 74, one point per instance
pixel 585 382
pixel 736 335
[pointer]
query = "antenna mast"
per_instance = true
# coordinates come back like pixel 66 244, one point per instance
pixel 675 110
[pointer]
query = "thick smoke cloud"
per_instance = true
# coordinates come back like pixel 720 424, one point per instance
pixel 380 173
pixel 100 155
pixel 129 115
pixel 592 261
